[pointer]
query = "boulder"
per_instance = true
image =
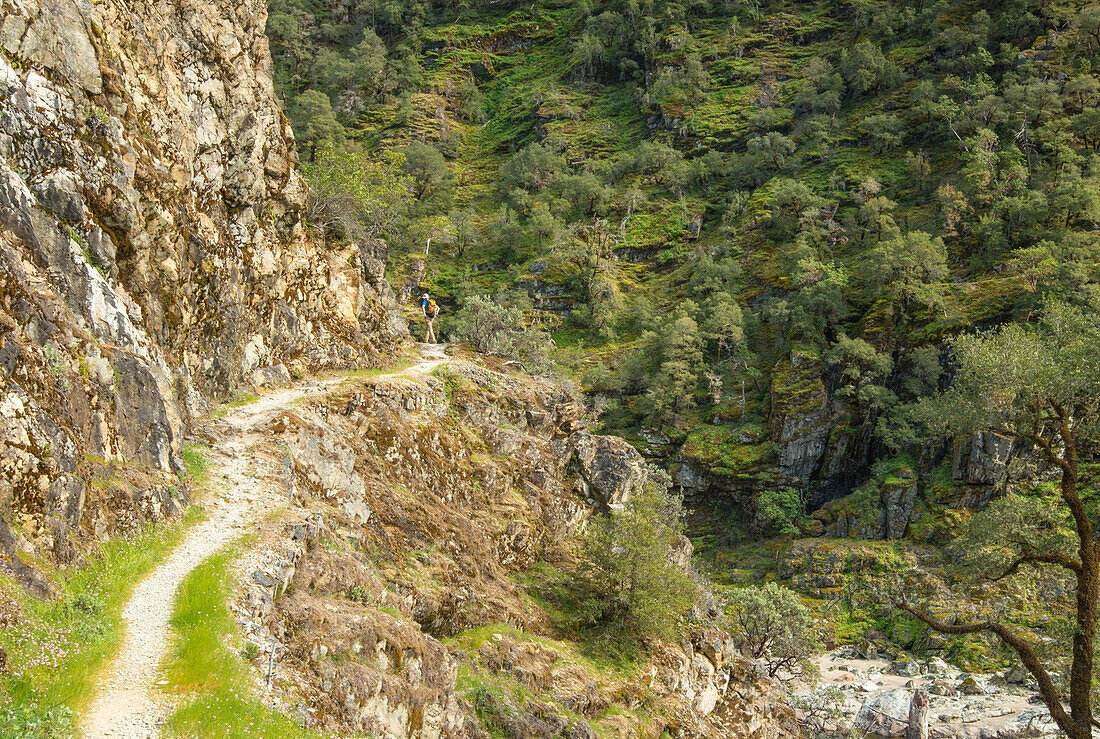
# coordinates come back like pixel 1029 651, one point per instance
pixel 1032 722
pixel 906 668
pixel 610 468
pixel 939 687
pixel 865 649
pixel 937 666
pixel 885 714
pixel 971 685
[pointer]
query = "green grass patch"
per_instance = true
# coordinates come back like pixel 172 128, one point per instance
pixel 552 590
pixel 472 639
pixel 205 664
pixel 196 463
pixel 56 648
pixel 241 399
pixel 238 400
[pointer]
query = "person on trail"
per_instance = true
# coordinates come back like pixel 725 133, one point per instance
pixel 430 310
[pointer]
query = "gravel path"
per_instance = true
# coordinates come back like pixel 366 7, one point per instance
pixel 129 703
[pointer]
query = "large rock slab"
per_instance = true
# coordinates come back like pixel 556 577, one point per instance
pixel 612 469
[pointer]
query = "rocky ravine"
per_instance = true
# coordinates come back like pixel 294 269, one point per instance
pixel 152 254
pixel 877 692
pixel 392 590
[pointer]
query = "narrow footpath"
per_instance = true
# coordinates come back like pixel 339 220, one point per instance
pixel 129 703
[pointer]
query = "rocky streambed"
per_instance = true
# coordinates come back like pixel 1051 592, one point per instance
pixel 876 693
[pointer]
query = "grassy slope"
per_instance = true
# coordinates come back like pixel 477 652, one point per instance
pixel 530 97
pixel 56 648
pixel 205 665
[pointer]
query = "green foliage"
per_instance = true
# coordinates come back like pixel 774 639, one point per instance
pixel 781 509
pixel 865 68
pixel 196 463
pixel 1013 525
pixel 906 268
pixel 203 665
pixel 1014 380
pixel 774 626
pixel 723 324
pixel 627 588
pixel 493 327
pixel 672 390
pixel 425 167
pixel 532 169
pixel 356 194
pixel 318 126
pixel 819 708
pixel 32 722
pixel 891 174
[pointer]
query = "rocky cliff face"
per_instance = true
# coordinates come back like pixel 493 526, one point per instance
pixel 823 443
pixel 397 593
pixel 152 250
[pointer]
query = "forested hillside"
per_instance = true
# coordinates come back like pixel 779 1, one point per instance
pixel 750 226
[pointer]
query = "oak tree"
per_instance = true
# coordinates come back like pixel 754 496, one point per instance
pixel 1040 386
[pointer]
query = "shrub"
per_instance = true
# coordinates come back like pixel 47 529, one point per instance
pixel 781 510
pixel 627 584
pixel 495 328
pixel 775 628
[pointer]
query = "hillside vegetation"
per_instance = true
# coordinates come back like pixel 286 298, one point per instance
pixel 751 225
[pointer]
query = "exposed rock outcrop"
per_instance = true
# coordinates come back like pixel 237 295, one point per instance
pixel 611 469
pixel 397 599
pixel 823 442
pixel 153 253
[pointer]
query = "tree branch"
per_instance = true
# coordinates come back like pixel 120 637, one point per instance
pixel 1047 449
pixel 1047 691
pixel 1050 559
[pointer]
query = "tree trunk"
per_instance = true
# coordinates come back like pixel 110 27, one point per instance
pixel 918 716
pixel 1088 589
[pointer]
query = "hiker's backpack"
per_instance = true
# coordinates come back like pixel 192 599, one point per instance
pixel 432 308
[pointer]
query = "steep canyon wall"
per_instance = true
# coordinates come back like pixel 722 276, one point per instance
pixel 153 253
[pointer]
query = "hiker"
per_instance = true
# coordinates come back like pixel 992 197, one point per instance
pixel 430 310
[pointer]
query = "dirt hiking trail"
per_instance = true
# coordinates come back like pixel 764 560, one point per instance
pixel 128 702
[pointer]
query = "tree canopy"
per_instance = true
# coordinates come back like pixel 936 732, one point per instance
pixel 628 584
